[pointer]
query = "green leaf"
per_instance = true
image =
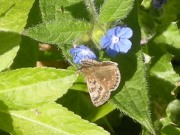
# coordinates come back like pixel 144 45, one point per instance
pixel 8 48
pixel 80 84
pixel 132 96
pixel 58 32
pixel 163 69
pixel 48 119
pixel 100 112
pixel 29 87
pixel 173 112
pixel 146 22
pixel 170 36
pixel 4 6
pixel 170 130
pixel 60 9
pixel 81 104
pixel 163 78
pixel 113 10
pixel 27 54
pixel 171 11
pixel 15 16
pixel 162 81
pixel 13 19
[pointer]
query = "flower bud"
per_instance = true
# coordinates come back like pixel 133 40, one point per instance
pixel 97 33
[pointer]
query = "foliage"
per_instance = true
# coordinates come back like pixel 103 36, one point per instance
pixel 47 100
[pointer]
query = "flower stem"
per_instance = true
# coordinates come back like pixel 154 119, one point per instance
pixel 92 10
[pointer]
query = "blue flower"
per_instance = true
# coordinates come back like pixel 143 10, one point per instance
pixel 117 40
pixel 80 53
pixel 158 3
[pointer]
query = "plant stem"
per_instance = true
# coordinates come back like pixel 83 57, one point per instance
pixel 92 10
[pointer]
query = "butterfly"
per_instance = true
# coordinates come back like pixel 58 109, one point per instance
pixel 102 78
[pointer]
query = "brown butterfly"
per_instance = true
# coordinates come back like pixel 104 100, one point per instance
pixel 102 78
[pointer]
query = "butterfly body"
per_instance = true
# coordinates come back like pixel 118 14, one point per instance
pixel 102 78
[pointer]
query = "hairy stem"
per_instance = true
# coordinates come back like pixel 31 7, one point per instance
pixel 92 10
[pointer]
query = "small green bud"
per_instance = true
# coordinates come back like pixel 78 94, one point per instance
pixel 84 39
pixel 97 33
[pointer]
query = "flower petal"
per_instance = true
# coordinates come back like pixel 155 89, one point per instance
pixel 91 55
pixel 80 53
pixel 111 32
pixel 74 50
pixel 124 45
pixel 111 52
pixel 105 41
pixel 125 32
pixel 114 47
pixel 117 40
pixel 77 59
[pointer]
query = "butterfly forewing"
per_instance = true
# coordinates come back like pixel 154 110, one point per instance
pixel 109 76
pixel 101 78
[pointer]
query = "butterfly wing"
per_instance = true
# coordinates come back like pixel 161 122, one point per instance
pixel 101 78
pixel 99 95
pixel 109 76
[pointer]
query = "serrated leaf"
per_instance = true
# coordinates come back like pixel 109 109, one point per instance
pixel 14 18
pixel 8 48
pixel 60 9
pixel 58 32
pixel 29 87
pixel 132 97
pixel 49 119
pixel 113 10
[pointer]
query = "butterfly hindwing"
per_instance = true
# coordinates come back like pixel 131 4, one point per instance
pixel 99 95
